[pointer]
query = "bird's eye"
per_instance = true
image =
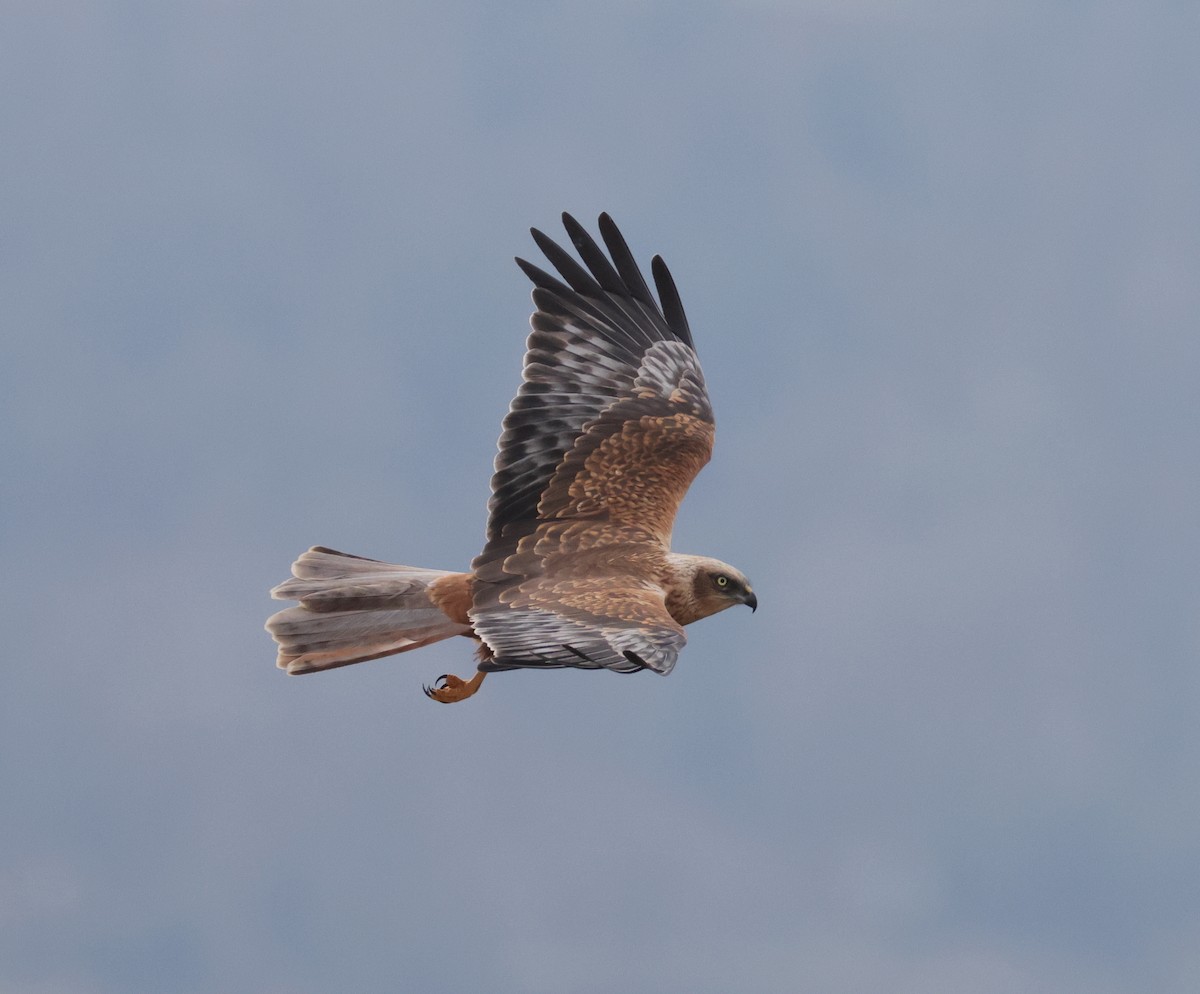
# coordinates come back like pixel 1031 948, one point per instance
pixel 722 582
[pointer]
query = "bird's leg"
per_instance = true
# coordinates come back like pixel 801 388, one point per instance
pixel 449 689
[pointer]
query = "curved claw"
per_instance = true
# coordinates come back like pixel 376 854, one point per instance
pixel 449 689
pixel 439 684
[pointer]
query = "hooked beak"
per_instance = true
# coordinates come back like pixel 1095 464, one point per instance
pixel 751 601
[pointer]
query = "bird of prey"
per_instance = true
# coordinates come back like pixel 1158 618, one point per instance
pixel 610 426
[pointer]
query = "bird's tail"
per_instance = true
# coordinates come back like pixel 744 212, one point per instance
pixel 353 609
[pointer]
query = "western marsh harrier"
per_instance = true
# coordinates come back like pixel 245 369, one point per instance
pixel 609 428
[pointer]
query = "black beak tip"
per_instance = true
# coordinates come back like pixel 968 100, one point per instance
pixel 752 602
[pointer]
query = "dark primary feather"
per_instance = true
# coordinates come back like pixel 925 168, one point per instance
pixel 594 257
pixel 626 264
pixel 671 304
pixel 579 279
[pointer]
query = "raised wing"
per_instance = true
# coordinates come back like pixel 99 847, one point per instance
pixel 610 426
pixel 593 339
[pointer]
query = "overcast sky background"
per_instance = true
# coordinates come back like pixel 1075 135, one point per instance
pixel 257 293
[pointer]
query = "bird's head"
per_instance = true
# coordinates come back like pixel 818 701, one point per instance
pixel 714 586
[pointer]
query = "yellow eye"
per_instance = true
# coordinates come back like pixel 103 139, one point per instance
pixel 722 581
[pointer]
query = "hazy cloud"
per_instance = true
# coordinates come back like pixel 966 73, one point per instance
pixel 256 272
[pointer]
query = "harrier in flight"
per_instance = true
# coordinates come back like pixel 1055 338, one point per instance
pixel 610 426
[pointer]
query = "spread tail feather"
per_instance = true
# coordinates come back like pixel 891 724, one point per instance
pixel 353 609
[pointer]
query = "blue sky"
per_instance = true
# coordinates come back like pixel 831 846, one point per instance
pixel 258 293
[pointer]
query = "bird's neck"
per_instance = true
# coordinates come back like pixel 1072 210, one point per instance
pixel 680 584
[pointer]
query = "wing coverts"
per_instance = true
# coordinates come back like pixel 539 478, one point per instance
pixel 609 428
